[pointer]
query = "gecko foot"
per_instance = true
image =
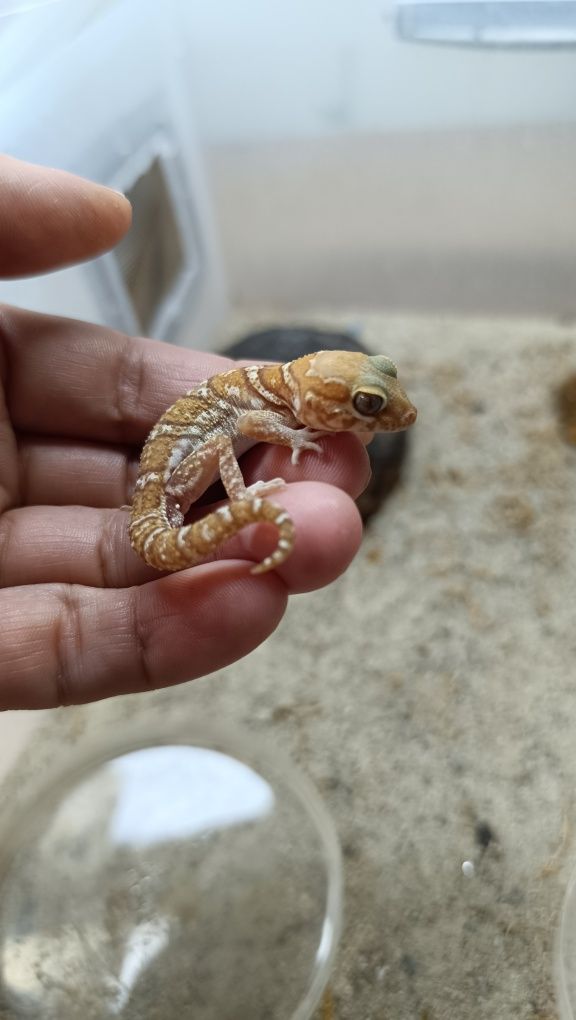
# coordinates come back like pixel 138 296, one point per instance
pixel 303 440
pixel 262 488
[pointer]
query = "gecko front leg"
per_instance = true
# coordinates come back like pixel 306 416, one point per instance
pixel 273 427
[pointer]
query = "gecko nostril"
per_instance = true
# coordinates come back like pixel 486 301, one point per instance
pixel 409 417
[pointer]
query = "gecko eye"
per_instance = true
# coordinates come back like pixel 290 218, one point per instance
pixel 368 404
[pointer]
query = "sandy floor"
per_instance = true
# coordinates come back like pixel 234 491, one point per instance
pixel 431 693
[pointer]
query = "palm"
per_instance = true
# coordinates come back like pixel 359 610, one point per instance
pixel 83 618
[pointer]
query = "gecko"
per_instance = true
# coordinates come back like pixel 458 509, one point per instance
pixel 200 438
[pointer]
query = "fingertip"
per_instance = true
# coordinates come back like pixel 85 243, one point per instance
pixel 328 535
pixel 116 211
pixel 343 463
pixel 50 218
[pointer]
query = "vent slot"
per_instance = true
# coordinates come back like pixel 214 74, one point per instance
pixel 151 258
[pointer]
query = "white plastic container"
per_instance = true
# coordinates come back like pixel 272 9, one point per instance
pixel 99 89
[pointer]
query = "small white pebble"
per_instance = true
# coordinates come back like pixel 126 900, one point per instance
pixel 468 869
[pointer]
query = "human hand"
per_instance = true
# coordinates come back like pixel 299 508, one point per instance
pixel 82 617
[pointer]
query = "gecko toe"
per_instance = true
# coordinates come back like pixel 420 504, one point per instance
pixel 302 447
pixel 262 488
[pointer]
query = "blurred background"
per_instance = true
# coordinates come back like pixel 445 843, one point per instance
pixel 304 154
pixel 405 173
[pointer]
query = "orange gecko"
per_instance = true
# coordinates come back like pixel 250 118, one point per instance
pixel 200 438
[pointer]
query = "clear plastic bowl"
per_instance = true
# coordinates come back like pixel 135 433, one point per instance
pixel 565 955
pixel 163 875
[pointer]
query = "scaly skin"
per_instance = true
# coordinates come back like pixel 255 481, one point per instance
pixel 200 437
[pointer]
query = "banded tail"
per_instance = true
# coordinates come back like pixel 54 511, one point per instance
pixel 174 548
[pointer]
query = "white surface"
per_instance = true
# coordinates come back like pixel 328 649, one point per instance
pixel 86 87
pixel 470 221
pixel 267 70
pixel 16 731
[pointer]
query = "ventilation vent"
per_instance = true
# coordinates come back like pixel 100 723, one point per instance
pixel 151 258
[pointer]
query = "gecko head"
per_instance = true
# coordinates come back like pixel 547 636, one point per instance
pixel 347 391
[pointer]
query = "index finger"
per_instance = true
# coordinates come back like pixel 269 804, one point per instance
pixel 50 219
pixel 68 378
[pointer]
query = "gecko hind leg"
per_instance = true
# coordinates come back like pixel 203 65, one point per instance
pixel 233 480
pixel 174 513
pixel 196 472
pixel 192 476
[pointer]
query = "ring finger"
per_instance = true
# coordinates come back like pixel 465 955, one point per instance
pixel 87 546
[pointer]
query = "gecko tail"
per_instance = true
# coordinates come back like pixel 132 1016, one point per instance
pixel 285 544
pixel 170 548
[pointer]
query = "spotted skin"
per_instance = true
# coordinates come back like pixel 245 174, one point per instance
pixel 200 437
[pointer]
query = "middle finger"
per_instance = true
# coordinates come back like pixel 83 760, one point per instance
pixel 58 472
